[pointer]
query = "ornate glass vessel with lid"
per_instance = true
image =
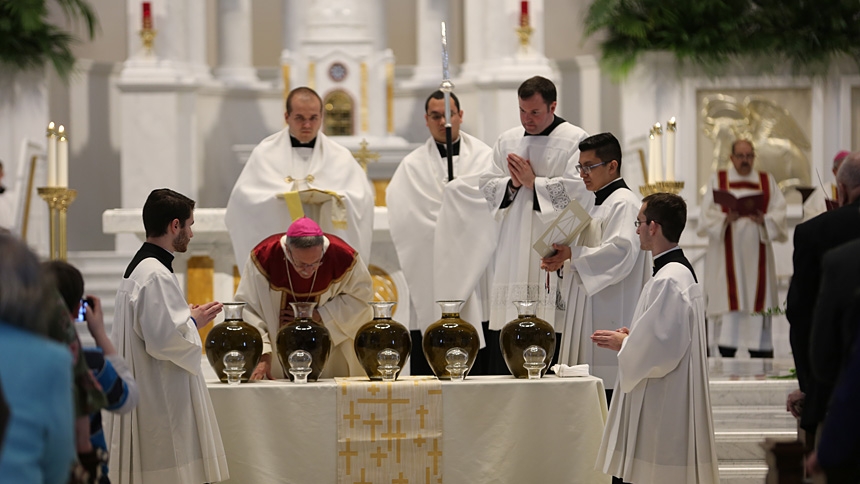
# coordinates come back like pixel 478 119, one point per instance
pixel 521 333
pixel 449 332
pixel 304 334
pixel 233 334
pixel 379 334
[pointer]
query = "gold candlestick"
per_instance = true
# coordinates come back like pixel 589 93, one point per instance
pixel 58 199
pixel 524 31
pixel 673 187
pixel 147 36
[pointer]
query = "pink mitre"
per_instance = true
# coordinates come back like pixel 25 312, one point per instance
pixel 304 227
pixel 840 156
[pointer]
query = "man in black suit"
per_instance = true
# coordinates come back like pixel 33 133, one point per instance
pixel 811 240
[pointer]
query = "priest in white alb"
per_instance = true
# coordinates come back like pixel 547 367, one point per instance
pixel 741 283
pixel 532 180
pixel 606 268
pixel 414 198
pixel 172 436
pixel 296 172
pixel 660 428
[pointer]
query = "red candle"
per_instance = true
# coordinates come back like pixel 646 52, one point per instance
pixel 147 15
pixel 524 8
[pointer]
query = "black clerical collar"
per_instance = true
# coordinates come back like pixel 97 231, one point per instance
pixel 674 254
pixel 443 150
pixel 602 194
pixel 555 123
pixel 146 251
pixel 298 144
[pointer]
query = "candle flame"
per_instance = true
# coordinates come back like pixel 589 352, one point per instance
pixel 61 130
pixel 671 125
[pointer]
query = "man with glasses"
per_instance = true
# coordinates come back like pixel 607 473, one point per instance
pixel 305 264
pixel 415 216
pixel 660 428
pixel 607 269
pixel 296 159
pixel 741 283
pixel 532 180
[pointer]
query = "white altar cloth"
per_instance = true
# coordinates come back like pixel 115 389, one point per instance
pixel 496 429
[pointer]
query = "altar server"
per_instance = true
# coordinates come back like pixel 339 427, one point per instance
pixel 532 180
pixel 298 158
pixel 305 264
pixel 172 436
pixel 741 284
pixel 660 428
pixel 607 269
pixel 417 223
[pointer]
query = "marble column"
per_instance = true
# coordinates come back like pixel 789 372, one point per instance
pixel 428 18
pixel 234 44
pixel 198 64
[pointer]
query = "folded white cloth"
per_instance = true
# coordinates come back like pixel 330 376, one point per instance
pixel 565 371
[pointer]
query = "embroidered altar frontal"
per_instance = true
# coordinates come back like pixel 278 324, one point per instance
pixel 389 432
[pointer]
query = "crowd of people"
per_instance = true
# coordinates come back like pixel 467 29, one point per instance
pixel 622 297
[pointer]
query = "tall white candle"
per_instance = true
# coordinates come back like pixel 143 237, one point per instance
pixel 656 161
pixel 652 147
pixel 671 127
pixel 62 158
pixel 52 155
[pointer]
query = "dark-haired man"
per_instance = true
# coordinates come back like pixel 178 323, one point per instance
pixel 741 283
pixel 532 180
pixel 172 436
pixel 607 269
pixel 415 198
pixel 660 428
pixel 298 158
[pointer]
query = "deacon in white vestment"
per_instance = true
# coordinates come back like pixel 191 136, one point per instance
pixel 740 262
pixel 414 198
pixel 532 180
pixel 660 428
pixel 306 265
pixel 172 436
pixel 280 170
pixel 607 269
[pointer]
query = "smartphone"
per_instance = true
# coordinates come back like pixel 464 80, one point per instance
pixel 82 313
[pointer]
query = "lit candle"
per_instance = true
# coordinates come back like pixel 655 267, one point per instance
pixel 670 149
pixel 62 158
pixel 658 152
pixel 52 155
pixel 524 13
pixel 147 16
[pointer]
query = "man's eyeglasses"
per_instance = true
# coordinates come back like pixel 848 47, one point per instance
pixel 586 169
pixel 745 156
pixel 302 265
pixel 637 223
pixel 436 117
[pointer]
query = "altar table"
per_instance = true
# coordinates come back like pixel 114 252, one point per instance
pixel 496 429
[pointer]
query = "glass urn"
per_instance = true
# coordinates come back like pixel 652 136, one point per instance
pixel 521 333
pixel 379 334
pixel 234 334
pixel 450 332
pixel 303 333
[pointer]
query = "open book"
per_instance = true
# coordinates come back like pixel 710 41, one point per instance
pixel 744 206
pixel 564 230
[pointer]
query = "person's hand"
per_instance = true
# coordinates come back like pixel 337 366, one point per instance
pixel 794 403
pixel 811 464
pixel 95 317
pixel 263 369
pixel 757 217
pixel 609 339
pixel 203 313
pixel 732 216
pixel 521 171
pixel 555 261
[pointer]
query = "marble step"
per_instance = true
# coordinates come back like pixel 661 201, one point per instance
pixel 741 472
pixel 745 445
pixel 759 393
pixel 752 417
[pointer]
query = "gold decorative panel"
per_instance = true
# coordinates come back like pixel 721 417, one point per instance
pixel 384 288
pixel 201 284
pixel 338 108
pixel 380 186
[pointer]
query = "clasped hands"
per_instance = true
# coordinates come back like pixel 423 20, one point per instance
pixel 609 339
pixel 521 171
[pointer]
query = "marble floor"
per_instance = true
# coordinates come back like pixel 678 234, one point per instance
pixel 721 369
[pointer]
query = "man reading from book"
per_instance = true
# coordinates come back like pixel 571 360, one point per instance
pixel 743 213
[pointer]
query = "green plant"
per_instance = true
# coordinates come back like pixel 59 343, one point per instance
pixel 806 34
pixel 28 40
